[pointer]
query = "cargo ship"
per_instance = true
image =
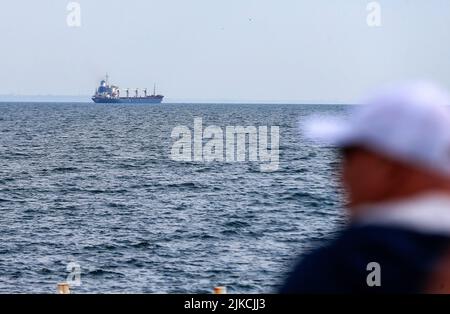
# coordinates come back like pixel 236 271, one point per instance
pixel 107 93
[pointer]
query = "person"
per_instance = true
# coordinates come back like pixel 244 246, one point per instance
pixel 395 170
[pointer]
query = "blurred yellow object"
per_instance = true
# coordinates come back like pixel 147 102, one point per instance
pixel 220 290
pixel 63 288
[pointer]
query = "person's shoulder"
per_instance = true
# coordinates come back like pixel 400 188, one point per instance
pixel 317 267
pixel 341 265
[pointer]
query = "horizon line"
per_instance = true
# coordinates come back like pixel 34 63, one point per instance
pixel 87 99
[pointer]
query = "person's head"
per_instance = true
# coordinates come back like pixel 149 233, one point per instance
pixel 370 177
pixel 395 146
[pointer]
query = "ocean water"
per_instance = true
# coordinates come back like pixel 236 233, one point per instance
pixel 94 184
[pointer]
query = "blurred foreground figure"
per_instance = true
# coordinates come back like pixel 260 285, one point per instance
pixel 396 171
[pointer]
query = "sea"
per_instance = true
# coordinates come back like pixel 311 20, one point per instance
pixel 89 194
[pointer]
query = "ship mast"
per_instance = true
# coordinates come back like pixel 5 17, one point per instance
pixel 107 79
pixel 154 89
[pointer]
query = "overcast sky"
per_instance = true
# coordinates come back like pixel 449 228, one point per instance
pixel 245 50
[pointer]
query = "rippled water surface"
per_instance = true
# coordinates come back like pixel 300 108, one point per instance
pixel 95 184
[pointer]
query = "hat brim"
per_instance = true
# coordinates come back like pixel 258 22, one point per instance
pixel 329 131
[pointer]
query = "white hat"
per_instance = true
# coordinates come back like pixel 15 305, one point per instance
pixel 409 122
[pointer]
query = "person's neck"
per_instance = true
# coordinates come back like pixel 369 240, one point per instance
pixel 427 212
pixel 361 208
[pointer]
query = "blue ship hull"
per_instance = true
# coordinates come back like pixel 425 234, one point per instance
pixel 128 100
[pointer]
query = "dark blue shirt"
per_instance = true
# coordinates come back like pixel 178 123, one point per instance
pixel 406 260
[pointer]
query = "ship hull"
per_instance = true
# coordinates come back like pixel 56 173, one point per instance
pixel 128 100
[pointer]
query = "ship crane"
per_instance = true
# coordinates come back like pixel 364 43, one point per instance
pixel 137 92
pixel 145 92
pixel 127 90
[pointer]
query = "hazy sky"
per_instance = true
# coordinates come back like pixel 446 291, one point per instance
pixel 249 50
